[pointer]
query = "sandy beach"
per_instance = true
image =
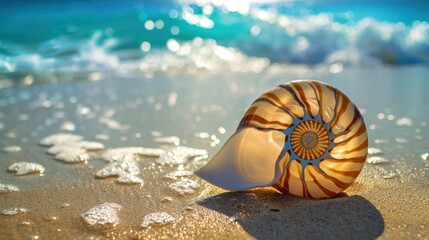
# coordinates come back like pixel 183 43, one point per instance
pixel 389 200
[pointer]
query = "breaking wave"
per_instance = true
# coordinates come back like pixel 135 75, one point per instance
pixel 215 38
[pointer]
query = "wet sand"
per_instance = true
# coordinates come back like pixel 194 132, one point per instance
pixel 388 200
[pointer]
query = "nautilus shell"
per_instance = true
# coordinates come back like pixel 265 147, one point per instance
pixel 305 138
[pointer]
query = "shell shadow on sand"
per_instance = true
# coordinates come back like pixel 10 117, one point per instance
pixel 265 214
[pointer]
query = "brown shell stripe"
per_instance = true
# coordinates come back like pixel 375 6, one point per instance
pixel 358 133
pixel 336 181
pixel 321 187
pixel 293 95
pixel 353 160
pixel 344 173
pixel 319 97
pixel 303 98
pixel 359 148
pixel 304 184
pixel 344 104
pixel 275 100
pixel 337 99
pixel 284 181
pixel 252 116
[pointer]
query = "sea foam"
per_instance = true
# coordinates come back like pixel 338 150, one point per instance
pixel 262 37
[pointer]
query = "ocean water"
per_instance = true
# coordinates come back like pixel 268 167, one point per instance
pixel 75 40
pixel 110 106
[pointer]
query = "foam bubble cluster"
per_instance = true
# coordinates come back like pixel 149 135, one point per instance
pixel 12 149
pixel 178 174
pixel 126 169
pixel 184 187
pixel 374 151
pixel 156 219
pixel 7 188
pixel 72 155
pixel 60 138
pixel 115 154
pixel 13 211
pixel 173 140
pixel 102 216
pixel 70 148
pixel 23 168
pixel 179 155
pixel 377 160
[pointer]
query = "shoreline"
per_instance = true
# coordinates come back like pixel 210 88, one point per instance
pixel 387 201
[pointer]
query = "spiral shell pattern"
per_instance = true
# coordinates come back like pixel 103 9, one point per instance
pixel 326 141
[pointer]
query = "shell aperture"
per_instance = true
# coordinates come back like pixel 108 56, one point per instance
pixel 305 138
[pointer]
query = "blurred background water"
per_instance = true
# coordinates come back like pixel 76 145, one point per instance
pixel 187 71
pixel 88 39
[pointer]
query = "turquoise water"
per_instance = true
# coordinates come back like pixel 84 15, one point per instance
pixel 152 36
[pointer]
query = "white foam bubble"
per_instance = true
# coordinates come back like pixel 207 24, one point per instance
pixel 102 216
pixel 92 146
pixel 381 141
pixel 13 211
pixel 12 149
pixel 66 146
pixel 407 122
pixel 72 155
pixel 184 187
pixel 23 168
pixel 425 156
pixel 68 126
pixel 113 124
pixel 202 135
pixel 171 140
pixel 221 130
pixel 6 188
pixel 236 217
pixel 156 134
pixel 377 160
pixel 179 155
pixel 130 179
pixel 156 219
pixel 375 151
pixel 60 138
pixel 65 205
pixel 55 149
pixel 116 154
pixel 167 199
pixel 178 174
pixel 10 135
pixel 70 148
pixel 388 175
pixel 102 137
pixel 401 140
pixel 126 170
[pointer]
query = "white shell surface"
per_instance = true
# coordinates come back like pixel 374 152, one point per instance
pixel 247 160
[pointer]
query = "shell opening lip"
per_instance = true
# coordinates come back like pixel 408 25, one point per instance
pixel 247 160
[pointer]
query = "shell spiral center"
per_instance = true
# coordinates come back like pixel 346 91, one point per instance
pixel 309 140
